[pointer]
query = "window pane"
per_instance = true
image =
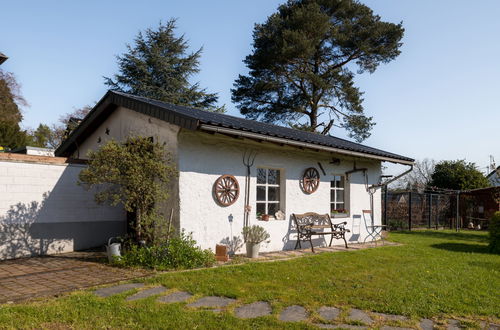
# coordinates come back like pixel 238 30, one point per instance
pixel 340 196
pixel 339 206
pixel 332 195
pixel 261 193
pixel 332 184
pixel 332 207
pixel 273 208
pixel 261 175
pixel 274 177
pixel 339 181
pixel 273 194
pixel 261 208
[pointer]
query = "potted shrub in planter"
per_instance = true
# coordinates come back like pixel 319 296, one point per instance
pixel 254 235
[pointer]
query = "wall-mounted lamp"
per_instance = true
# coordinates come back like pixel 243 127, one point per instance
pixel 230 218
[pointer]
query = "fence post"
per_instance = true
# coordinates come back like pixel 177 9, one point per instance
pixel 429 202
pixel 384 219
pixel 409 210
pixel 458 209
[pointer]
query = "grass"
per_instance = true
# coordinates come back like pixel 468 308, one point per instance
pixel 435 274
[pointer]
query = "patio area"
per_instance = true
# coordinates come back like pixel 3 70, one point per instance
pixel 26 278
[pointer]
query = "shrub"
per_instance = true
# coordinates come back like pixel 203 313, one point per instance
pixel 255 234
pixel 176 253
pixel 494 228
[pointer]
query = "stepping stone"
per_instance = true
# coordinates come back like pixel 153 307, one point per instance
pixel 112 290
pixel 348 326
pixel 256 309
pixel 147 293
pixel 426 324
pixel 453 325
pixel 212 302
pixel 359 315
pixel 293 313
pixel 394 328
pixel 175 297
pixel 391 317
pixel 328 313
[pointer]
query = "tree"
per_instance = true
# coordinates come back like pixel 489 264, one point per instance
pixel 158 66
pixel 419 178
pixel 134 174
pixel 301 67
pixel 67 123
pixel 458 175
pixel 11 135
pixel 40 137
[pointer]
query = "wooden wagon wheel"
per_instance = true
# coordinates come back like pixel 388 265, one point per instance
pixel 310 180
pixel 226 190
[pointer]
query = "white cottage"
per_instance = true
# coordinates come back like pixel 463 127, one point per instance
pixel 208 147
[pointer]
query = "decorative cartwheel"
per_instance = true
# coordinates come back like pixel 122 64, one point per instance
pixel 226 190
pixel 310 180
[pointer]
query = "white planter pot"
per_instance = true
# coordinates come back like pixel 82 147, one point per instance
pixel 253 250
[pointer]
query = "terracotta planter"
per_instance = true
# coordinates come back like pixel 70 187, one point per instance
pixel 264 217
pixel 253 249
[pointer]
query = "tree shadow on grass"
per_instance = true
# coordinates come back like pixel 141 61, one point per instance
pixel 462 247
pixel 471 236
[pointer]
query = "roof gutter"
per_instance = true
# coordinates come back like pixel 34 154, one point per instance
pixel 267 138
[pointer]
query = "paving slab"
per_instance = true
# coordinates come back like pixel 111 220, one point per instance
pixel 359 315
pixel 391 317
pixel 453 324
pixel 426 324
pixel 27 278
pixel 116 289
pixel 328 313
pixel 348 326
pixel 147 293
pixel 256 309
pixel 212 302
pixel 294 313
pixel 394 328
pixel 175 297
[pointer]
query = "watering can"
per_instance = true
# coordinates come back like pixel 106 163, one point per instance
pixel 113 249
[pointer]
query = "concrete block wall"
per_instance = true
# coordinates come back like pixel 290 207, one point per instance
pixel 44 211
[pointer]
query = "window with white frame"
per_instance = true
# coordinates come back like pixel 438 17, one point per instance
pixel 268 191
pixel 337 195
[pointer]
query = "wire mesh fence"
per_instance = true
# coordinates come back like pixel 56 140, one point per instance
pixel 439 209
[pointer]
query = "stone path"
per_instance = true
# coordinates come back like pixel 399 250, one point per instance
pixel 355 319
pixel 253 310
pixel 147 293
pixel 27 278
pixel 293 313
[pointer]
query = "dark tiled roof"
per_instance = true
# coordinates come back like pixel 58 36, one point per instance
pixel 192 118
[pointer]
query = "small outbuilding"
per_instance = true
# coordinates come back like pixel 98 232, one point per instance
pixel 269 169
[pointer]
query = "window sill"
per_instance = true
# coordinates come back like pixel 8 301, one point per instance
pixel 270 219
pixel 340 215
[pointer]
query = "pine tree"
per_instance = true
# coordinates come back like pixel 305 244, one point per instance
pixel 158 66
pixel 301 67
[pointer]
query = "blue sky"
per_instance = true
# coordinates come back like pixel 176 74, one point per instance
pixel 438 99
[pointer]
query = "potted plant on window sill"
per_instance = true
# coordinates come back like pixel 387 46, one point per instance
pixel 340 213
pixel 254 235
pixel 262 217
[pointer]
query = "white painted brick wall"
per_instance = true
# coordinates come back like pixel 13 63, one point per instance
pixel 36 195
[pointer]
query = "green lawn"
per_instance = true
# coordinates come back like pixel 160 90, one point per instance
pixel 436 274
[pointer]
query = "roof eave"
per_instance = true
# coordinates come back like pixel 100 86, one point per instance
pixel 263 137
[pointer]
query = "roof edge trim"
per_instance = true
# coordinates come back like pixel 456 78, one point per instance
pixel 263 137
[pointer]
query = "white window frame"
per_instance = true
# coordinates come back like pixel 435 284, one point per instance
pixel 266 202
pixel 335 189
